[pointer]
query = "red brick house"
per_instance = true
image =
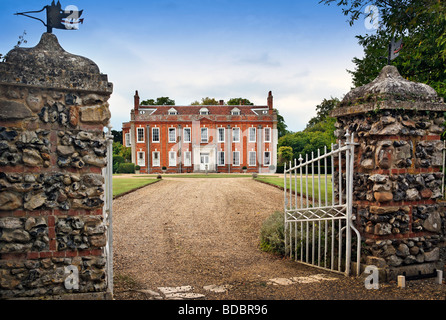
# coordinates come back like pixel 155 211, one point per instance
pixel 218 138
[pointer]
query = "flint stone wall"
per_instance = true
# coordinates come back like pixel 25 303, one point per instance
pixel 397 179
pixel 53 108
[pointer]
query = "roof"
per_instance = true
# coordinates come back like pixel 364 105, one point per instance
pixel 213 110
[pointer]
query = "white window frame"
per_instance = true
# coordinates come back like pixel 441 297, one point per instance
pixel 141 161
pixel 128 140
pixel 172 112
pixel 204 111
pixel 265 163
pixel 189 135
pixel 156 162
pixel 219 136
pixel 138 130
pixel 252 163
pixel 204 129
pixel 236 163
pixel 153 135
pixel 235 112
pixel 238 134
pixel 172 160
pixel 265 135
pixel 187 158
pixel 252 133
pixel 220 157
pixel 174 130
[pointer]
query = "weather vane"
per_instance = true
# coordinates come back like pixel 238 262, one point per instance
pixel 67 19
pixel 394 49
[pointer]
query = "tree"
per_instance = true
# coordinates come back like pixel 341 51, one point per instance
pixel 239 101
pixel 281 125
pixel 117 136
pixel 285 154
pixel 422 26
pixel 205 102
pixel 318 134
pixel 162 101
pixel 323 111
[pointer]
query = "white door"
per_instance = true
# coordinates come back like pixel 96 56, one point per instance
pixel 204 161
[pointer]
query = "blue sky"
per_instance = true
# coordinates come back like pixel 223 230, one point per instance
pixel 187 50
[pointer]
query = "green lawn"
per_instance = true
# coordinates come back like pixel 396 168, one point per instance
pixel 123 185
pixel 277 181
pixel 199 175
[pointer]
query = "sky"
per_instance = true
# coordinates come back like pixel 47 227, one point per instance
pixel 223 49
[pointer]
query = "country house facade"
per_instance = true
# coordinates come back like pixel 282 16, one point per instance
pixel 218 138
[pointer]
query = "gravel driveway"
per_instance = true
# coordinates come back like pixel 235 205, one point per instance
pixel 194 238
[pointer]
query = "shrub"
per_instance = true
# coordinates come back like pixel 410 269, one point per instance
pixel 116 161
pixel 271 234
pixel 126 168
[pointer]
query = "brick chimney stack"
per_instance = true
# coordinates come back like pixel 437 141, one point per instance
pixel 136 99
pixel 270 100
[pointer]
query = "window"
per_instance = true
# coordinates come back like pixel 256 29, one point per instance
pixel 155 159
pixel 204 135
pixel 128 142
pixel 221 134
pixel 187 159
pixel 172 111
pixel 235 112
pixel 267 131
pixel 187 135
pixel 267 158
pixel 252 134
pixel 155 134
pixel 236 158
pixel 252 158
pixel 172 135
pixel 221 158
pixel 139 134
pixel 141 159
pixel 172 159
pixel 235 134
pixel 204 111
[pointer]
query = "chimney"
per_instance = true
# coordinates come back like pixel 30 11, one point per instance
pixel 270 100
pixel 222 102
pixel 136 101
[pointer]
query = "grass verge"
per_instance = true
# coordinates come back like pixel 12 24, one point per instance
pixel 278 182
pixel 122 186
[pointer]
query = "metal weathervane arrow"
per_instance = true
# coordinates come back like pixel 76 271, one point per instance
pixel 395 47
pixel 68 19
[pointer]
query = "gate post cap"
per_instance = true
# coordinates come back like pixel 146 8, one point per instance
pixel 389 90
pixel 49 65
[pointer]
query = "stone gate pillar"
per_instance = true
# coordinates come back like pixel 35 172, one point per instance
pixel 397 180
pixel 53 108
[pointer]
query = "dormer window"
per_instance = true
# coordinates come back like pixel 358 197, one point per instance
pixel 235 112
pixel 204 111
pixel 172 112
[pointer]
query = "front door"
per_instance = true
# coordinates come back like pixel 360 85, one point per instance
pixel 204 161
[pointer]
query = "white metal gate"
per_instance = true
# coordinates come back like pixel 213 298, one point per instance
pixel 108 209
pixel 316 220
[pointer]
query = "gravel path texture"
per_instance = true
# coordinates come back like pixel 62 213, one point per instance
pixel 198 238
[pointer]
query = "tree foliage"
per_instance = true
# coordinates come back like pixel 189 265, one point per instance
pixel 239 101
pixel 206 102
pixel 281 125
pixel 422 26
pixel 162 101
